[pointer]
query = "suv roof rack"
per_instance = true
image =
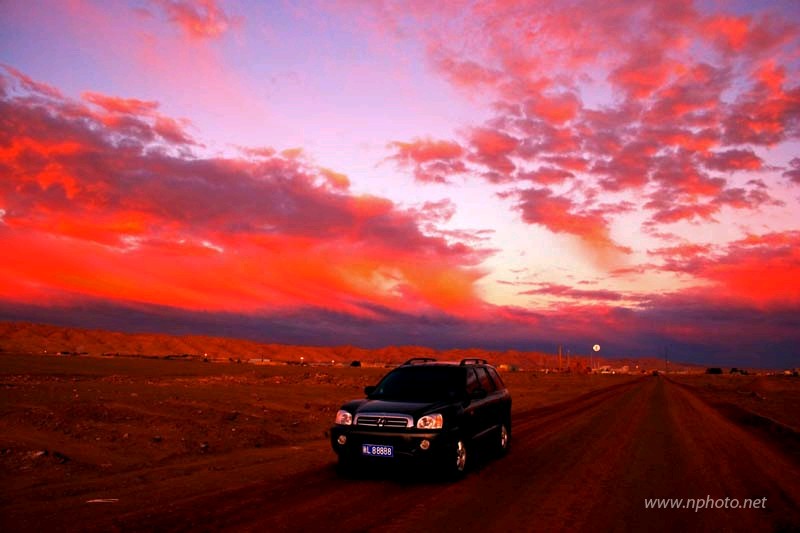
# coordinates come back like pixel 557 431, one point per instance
pixel 419 360
pixel 473 361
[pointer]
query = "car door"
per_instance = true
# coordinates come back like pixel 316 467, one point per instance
pixel 473 409
pixel 475 413
pixel 503 396
pixel 491 405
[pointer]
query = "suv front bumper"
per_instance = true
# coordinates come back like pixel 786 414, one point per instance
pixel 408 445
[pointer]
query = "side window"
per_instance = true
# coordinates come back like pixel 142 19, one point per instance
pixel 496 378
pixel 472 380
pixel 486 382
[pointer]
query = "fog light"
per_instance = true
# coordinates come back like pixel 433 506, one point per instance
pixel 425 444
pixel 341 440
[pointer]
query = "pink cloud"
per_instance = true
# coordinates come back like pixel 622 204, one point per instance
pixel 200 19
pixel 693 90
pixel 565 291
pixel 793 173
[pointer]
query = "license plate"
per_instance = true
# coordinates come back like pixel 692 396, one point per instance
pixel 377 450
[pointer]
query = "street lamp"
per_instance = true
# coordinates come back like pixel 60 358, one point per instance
pixel 595 349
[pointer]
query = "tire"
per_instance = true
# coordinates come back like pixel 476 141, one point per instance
pixel 503 439
pixel 456 461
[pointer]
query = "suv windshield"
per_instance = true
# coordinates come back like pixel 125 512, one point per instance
pixel 421 384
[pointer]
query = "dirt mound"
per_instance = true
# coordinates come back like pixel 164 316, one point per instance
pixel 18 337
pixel 21 337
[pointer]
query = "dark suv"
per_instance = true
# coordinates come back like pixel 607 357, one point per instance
pixel 428 411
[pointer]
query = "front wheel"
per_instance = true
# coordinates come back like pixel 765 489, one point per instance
pixel 455 465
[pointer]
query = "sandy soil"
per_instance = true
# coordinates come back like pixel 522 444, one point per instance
pixel 184 444
pixel 773 397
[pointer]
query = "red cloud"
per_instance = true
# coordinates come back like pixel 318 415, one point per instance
pixel 127 106
pixel 701 201
pixel 29 84
pixel 678 172
pixel 628 167
pixel 733 160
pixel 740 198
pixel 137 118
pixel 554 109
pixel 336 180
pixel 689 139
pixel 493 148
pixel 731 31
pixel 734 34
pixel 763 117
pixel 107 204
pixel 431 160
pixel 574 163
pixel 697 90
pixel 772 76
pixel 760 269
pixel 468 74
pixel 546 175
pixel 440 211
pixel 425 150
pixel 644 72
pixel 560 215
pixel 541 140
pixel 685 251
pixel 667 210
pixel 131 111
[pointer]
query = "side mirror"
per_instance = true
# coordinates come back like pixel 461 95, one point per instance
pixel 368 390
pixel 478 394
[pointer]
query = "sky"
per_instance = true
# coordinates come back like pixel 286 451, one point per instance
pixel 499 174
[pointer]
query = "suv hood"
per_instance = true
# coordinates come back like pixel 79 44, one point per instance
pixel 414 409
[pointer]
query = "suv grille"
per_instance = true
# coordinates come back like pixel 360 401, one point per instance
pixel 384 421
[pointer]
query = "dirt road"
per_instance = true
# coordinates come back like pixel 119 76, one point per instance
pixel 585 464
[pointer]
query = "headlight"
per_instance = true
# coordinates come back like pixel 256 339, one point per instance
pixel 343 418
pixel 433 421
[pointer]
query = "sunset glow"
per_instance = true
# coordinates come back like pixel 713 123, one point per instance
pixel 504 174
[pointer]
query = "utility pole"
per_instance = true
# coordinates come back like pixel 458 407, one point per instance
pixel 559 358
pixel 666 359
pixel 595 349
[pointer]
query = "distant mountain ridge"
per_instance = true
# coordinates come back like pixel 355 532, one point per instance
pixel 24 337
